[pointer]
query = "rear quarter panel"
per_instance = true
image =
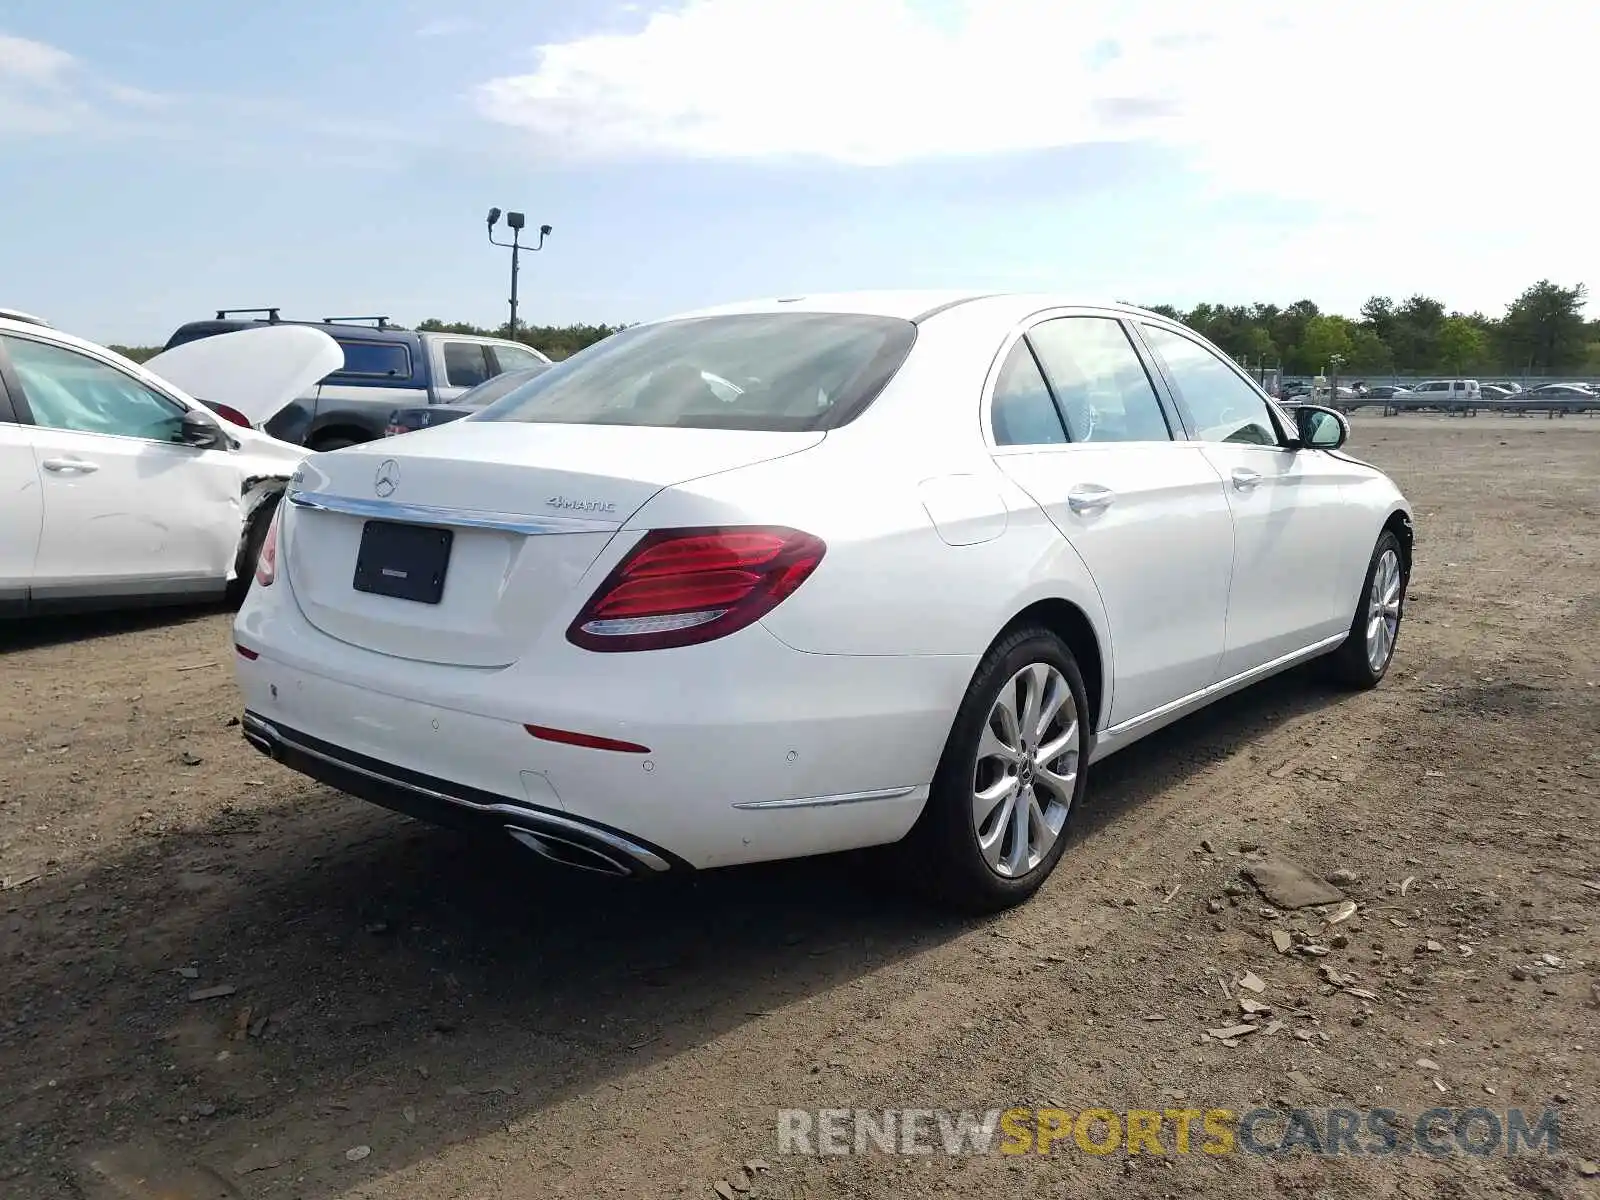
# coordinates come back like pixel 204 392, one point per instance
pixel 890 583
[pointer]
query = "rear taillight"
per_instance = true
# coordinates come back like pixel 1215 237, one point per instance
pixel 267 560
pixel 679 587
pixel 231 414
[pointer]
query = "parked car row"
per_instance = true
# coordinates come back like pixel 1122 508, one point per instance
pixel 1454 395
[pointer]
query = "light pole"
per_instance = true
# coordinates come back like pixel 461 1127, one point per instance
pixel 515 222
pixel 1335 361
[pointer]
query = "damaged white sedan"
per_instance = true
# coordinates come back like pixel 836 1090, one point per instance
pixel 118 486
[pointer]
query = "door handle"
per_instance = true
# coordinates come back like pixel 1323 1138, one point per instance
pixel 70 464
pixel 1244 480
pixel 1090 499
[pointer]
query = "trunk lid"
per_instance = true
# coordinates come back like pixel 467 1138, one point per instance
pixel 256 372
pixel 529 507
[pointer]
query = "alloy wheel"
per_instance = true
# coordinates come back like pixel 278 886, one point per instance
pixel 1383 610
pixel 1026 770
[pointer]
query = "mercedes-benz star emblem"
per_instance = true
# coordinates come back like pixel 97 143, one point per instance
pixel 388 478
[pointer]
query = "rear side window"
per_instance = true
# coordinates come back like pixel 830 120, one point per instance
pixel 751 371
pixel 1099 381
pixel 1022 412
pixel 466 364
pixel 382 360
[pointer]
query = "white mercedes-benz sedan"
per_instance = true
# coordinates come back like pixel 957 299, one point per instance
pixel 814 574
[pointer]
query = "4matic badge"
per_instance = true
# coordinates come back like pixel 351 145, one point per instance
pixel 568 504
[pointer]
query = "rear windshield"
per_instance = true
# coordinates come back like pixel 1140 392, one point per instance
pixel 752 371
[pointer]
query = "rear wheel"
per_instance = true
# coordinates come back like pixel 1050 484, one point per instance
pixel 1363 659
pixel 1012 775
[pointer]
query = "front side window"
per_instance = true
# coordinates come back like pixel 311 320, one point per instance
pixel 68 390
pixel 784 371
pixel 1022 412
pixel 1101 385
pixel 466 364
pixel 1220 405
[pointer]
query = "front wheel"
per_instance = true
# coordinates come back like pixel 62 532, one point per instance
pixel 1363 659
pixel 1012 774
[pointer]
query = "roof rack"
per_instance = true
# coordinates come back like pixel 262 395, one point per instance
pixel 13 314
pixel 382 322
pixel 272 314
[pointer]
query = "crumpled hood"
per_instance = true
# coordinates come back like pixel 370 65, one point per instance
pixel 255 372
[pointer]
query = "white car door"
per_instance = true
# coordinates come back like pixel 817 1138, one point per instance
pixel 1145 511
pixel 1293 529
pixel 128 508
pixel 21 508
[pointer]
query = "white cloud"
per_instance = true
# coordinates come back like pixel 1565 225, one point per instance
pixel 1415 117
pixel 884 81
pixel 45 90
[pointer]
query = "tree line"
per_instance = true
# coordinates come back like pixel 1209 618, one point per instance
pixel 1543 332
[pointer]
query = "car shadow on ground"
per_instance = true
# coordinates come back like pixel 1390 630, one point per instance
pixel 359 967
pixel 31 633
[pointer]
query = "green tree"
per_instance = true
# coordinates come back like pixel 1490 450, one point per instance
pixel 1368 351
pixel 556 341
pixel 1377 317
pixel 1543 328
pixel 139 354
pixel 1325 338
pixel 1414 335
pixel 1461 343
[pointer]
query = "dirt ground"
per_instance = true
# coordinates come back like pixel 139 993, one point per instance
pixel 398 1013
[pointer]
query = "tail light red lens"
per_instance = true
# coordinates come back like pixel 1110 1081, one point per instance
pixel 231 414
pixel 267 560
pixel 680 587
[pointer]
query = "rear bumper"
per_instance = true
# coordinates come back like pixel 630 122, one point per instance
pixel 576 843
pixel 755 751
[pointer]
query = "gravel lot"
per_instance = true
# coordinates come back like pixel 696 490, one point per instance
pixel 485 1027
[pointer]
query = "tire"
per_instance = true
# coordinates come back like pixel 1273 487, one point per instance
pixel 945 854
pixel 334 443
pixel 1352 664
pixel 245 571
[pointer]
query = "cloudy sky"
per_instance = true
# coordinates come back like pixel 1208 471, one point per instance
pixel 161 159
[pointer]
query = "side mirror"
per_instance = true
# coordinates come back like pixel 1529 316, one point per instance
pixel 1321 428
pixel 200 430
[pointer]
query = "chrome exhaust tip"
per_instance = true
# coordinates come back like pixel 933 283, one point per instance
pixel 571 854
